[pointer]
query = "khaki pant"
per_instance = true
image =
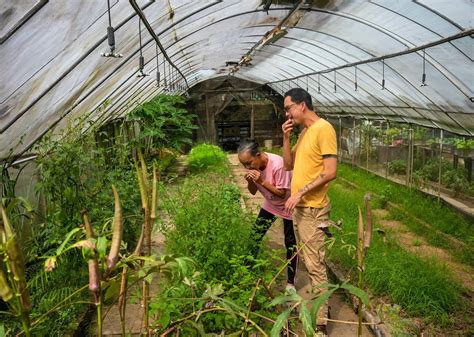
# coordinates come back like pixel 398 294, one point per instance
pixel 308 222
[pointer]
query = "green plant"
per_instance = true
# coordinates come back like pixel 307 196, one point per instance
pixel 455 180
pixel 464 144
pixel 13 286
pixel 211 227
pixel 397 166
pixel 412 282
pixel 421 213
pixel 164 123
pixel 205 157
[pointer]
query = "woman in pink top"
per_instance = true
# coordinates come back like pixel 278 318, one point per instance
pixel 265 173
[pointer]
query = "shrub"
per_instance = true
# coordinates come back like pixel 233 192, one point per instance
pixel 211 228
pixel 165 124
pixel 397 166
pixel 206 156
pixel 455 180
pixel 430 171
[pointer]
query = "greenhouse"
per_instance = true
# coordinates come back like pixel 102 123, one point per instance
pixel 237 168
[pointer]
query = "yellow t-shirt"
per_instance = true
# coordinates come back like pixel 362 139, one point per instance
pixel 315 141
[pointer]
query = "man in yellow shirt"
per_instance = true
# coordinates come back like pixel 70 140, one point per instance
pixel 314 163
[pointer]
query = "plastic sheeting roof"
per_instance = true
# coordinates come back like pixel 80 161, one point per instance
pixel 52 71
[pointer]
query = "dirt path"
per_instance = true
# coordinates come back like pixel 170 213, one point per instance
pixel 340 309
pixel 419 246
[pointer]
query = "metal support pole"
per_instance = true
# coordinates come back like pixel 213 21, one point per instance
pixel 367 146
pixel 340 139
pixel 410 157
pixel 440 163
pixel 353 140
pixel 387 152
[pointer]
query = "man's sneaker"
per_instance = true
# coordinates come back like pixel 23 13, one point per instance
pixel 290 289
pixel 321 331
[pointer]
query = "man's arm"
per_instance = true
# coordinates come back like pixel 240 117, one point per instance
pixel 329 173
pixel 288 154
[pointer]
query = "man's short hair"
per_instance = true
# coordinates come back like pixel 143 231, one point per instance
pixel 299 95
pixel 249 145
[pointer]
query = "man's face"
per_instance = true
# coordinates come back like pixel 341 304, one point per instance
pixel 293 110
pixel 250 162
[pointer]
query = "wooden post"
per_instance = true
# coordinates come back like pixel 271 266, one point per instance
pixel 212 127
pixel 207 120
pixel 252 121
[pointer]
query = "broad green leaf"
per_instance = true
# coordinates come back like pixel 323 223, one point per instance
pixel 60 249
pixel 285 299
pixel 280 322
pixel 320 300
pixel 305 318
pixel 102 246
pixel 357 292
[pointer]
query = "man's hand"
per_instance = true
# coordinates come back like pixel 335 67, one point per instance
pixel 287 128
pixel 255 176
pixel 292 202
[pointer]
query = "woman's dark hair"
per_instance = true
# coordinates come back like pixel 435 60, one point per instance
pixel 248 145
pixel 299 95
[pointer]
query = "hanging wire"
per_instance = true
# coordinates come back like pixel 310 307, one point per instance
pixel 423 77
pixel 110 37
pixel 355 80
pixel 307 79
pixel 335 81
pixel 170 78
pixel 157 67
pixel 141 59
pixel 319 84
pixel 383 74
pixel 165 84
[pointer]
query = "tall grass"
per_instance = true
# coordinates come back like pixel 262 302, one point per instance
pixel 422 287
pixel 419 206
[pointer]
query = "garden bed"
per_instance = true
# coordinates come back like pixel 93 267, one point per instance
pixel 424 285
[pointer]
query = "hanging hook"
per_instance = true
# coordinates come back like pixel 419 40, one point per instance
pixel 141 59
pixel 319 84
pixel 157 67
pixel 383 74
pixel 423 77
pixel 307 79
pixel 110 37
pixel 335 81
